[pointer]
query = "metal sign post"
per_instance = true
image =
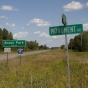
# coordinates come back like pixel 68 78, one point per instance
pixel 20 59
pixel 7 50
pixel 7 58
pixel 20 52
pixel 64 21
pixel 68 69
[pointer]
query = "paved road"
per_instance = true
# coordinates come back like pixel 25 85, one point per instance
pixel 11 56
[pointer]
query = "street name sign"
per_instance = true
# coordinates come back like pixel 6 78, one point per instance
pixel 14 43
pixel 69 29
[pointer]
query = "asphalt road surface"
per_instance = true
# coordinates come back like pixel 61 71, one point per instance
pixel 13 55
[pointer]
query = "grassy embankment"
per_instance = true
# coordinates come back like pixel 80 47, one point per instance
pixel 45 70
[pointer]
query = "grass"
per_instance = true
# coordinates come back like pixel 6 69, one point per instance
pixel 45 70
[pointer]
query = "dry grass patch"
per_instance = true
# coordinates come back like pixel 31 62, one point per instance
pixel 45 70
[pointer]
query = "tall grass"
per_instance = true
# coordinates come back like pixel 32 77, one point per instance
pixel 45 70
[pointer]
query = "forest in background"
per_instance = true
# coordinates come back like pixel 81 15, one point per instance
pixel 78 43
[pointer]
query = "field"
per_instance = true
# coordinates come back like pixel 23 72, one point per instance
pixel 45 70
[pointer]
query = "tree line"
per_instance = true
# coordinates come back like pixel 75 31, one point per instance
pixel 30 45
pixel 79 42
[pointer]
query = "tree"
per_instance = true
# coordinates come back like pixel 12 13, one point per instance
pixel 1 39
pixel 5 34
pixel 1 47
pixel 85 41
pixel 10 35
pixel 62 46
pixel 32 45
pixel 0 33
pixel 71 44
pixel 45 46
pixel 80 42
pixel 41 47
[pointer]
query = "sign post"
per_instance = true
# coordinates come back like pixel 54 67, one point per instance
pixel 20 52
pixel 66 45
pixel 64 30
pixel 7 58
pixel 7 50
pixel 67 58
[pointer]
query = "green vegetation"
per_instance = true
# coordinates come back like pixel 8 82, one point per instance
pixel 4 35
pixel 80 42
pixel 45 70
pixel 63 46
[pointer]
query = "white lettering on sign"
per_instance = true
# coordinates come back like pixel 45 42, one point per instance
pixel 22 42
pixel 65 29
pixel 8 42
pixel 69 29
pixel 59 30
pixel 17 42
pixel 54 31
pixel 4 42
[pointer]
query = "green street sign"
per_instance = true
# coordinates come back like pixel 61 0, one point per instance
pixel 64 20
pixel 14 43
pixel 69 29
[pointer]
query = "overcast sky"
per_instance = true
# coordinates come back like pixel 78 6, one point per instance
pixel 31 19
